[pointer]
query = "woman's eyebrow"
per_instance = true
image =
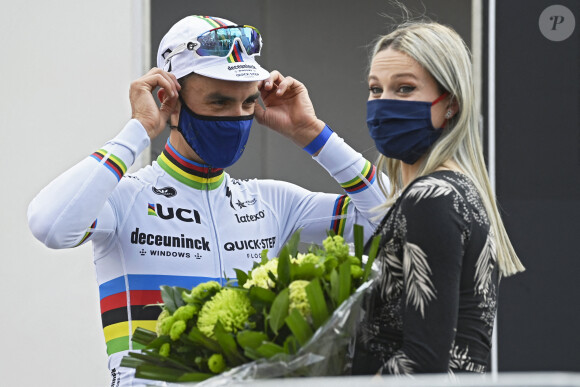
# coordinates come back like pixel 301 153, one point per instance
pixel 401 75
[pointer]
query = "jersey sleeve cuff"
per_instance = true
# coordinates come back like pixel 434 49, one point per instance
pixel 336 155
pixel 130 142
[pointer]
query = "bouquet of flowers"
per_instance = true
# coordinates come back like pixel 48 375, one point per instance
pixel 288 316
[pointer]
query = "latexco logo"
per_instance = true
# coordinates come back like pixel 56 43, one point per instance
pixel 249 217
pixel 182 214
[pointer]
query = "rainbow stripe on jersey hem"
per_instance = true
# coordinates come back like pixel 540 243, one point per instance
pixel 363 181
pixel 112 162
pixel 190 173
pixel 131 301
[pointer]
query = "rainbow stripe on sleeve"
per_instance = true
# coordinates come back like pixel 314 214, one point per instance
pixel 362 181
pixel 130 302
pixel 88 233
pixel 339 214
pixel 112 162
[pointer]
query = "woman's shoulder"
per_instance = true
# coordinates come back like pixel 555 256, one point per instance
pixel 443 190
pixel 446 184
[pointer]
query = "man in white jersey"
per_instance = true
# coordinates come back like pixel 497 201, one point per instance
pixel 183 220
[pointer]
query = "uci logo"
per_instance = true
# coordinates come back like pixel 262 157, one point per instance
pixel 181 213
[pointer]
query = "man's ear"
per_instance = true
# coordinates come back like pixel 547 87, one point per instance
pixel 174 117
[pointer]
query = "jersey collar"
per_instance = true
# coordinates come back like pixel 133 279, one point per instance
pixel 195 175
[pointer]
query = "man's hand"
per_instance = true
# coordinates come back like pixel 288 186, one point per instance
pixel 143 105
pixel 289 110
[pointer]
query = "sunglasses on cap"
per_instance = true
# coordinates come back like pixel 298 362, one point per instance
pixel 221 42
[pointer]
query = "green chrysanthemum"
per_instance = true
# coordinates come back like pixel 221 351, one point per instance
pixel 356 272
pixel 260 276
pixel 335 246
pixel 164 349
pixel 216 363
pixel 165 325
pixel 298 298
pixel 307 258
pixel 162 316
pixel 185 313
pixel 201 292
pixel 177 329
pixel 231 307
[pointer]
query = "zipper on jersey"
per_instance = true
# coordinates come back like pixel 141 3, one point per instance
pixel 217 242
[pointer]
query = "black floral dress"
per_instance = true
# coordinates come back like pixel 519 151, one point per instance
pixel 434 307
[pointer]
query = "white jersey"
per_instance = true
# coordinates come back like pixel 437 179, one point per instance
pixel 180 223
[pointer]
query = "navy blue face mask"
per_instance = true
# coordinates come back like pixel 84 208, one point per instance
pixel 402 129
pixel 219 141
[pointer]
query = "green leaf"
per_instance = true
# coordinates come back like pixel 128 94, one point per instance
pixel 172 297
pixel 269 349
pixel 228 345
pixel 262 295
pixel 334 286
pixel 196 336
pixel 371 258
pixel 273 278
pixel 284 267
pixel 317 303
pixel 299 327
pixel 291 345
pixel 293 243
pixel 279 310
pixel 344 282
pixel 306 271
pixel 143 336
pixel 158 342
pixel 359 243
pixel 155 372
pixel 131 362
pixel 152 357
pixel 330 263
pixel 264 257
pixel 242 277
pixel 251 339
pixel 251 353
pixel 194 377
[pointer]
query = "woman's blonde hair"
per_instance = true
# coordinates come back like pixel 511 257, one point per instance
pixel 442 52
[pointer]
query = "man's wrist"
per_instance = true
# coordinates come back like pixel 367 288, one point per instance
pixel 318 142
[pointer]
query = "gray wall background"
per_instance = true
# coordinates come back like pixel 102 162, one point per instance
pixel 538 187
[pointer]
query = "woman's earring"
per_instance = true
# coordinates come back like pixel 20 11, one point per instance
pixel 448 114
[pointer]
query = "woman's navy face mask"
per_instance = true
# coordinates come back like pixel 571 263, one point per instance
pixel 402 129
pixel 219 141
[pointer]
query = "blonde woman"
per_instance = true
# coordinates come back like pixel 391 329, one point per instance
pixel 443 245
